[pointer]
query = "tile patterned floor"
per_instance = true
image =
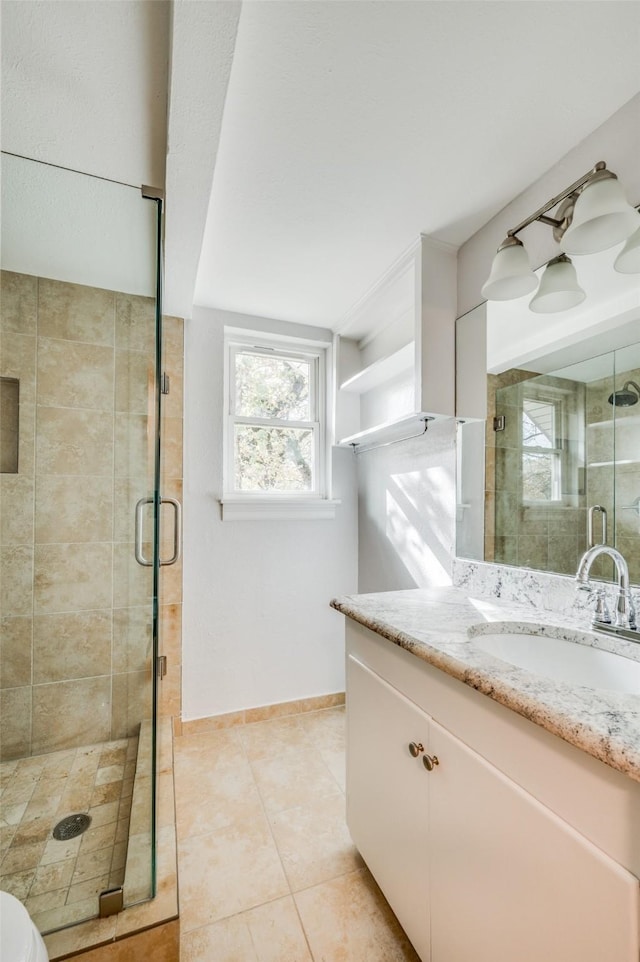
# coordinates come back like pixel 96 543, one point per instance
pixel 59 881
pixel 267 870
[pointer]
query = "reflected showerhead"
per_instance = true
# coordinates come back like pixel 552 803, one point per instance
pixel 625 398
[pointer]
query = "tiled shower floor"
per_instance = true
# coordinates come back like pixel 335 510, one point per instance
pixel 59 881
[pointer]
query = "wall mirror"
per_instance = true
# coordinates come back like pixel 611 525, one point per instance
pixel 549 432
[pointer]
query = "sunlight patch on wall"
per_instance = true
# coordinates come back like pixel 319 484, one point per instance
pixel 407 531
pixel 416 484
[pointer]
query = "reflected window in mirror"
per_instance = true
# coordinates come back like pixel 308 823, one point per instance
pixel 541 448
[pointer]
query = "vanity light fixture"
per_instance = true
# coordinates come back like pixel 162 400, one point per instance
pixel 559 289
pixel 628 260
pixel 593 215
pixel 601 216
pixel 511 275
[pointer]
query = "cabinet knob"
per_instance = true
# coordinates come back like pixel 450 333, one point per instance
pixel 416 748
pixel 430 762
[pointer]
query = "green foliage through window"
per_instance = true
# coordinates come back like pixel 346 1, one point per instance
pixel 273 459
pixel 274 432
pixel 272 387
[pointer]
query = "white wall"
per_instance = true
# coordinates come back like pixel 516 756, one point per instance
pixel 470 489
pixel 71 227
pixel 257 626
pixel 407 511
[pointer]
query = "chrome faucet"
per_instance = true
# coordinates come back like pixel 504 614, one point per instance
pixel 625 616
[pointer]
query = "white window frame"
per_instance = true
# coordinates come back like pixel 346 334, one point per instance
pixel 273 505
pixel 555 451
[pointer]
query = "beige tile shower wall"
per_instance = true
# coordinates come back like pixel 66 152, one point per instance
pixel 134 395
pixel 600 453
pixel 502 474
pixel 76 612
pixel 548 537
pixel 18 352
pixel 170 698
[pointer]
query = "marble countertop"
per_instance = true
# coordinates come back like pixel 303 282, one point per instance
pixel 432 624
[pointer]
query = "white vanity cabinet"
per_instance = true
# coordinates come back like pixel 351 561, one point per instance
pixel 475 867
pixel 387 797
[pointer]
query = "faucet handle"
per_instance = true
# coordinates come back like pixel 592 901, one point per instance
pixel 627 610
pixel 601 612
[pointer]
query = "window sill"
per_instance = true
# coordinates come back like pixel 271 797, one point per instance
pixel 277 509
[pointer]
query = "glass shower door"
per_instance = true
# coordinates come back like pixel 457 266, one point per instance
pixel 79 353
pixel 136 568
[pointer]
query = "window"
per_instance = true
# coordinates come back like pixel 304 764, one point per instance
pixel 541 450
pixel 275 444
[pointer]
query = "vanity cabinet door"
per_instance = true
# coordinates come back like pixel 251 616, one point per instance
pixel 511 880
pixel 387 795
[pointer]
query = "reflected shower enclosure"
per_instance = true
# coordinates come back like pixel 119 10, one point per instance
pixel 79 348
pixel 563 465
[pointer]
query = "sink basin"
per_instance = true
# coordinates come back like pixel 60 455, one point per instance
pixel 561 660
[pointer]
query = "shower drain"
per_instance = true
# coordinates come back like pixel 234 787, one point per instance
pixel 71 826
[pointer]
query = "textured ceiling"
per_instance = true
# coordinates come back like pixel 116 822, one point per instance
pixel 84 85
pixel 349 127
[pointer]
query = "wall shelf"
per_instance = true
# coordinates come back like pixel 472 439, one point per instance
pixel 395 350
pixel 389 431
pixel 616 422
pixel 384 369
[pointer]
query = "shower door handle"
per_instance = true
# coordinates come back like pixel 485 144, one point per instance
pixel 177 529
pixel 140 558
pixel 590 537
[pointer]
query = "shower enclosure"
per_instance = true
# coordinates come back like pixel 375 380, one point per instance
pixel 80 323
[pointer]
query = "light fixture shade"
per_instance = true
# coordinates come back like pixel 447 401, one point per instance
pixel 628 260
pixel 559 289
pixel 511 275
pixel 602 217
